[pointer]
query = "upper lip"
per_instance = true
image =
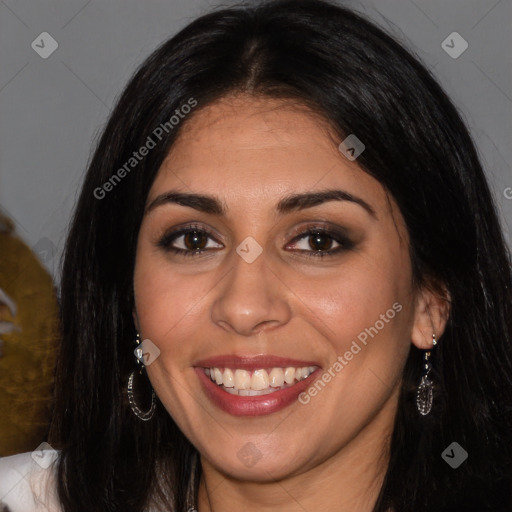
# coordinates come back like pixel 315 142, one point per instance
pixel 250 362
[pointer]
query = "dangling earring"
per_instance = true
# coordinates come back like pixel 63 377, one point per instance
pixel 142 415
pixel 425 393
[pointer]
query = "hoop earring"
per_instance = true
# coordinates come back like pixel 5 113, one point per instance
pixel 142 415
pixel 425 393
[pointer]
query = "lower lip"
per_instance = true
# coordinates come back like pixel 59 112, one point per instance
pixel 252 405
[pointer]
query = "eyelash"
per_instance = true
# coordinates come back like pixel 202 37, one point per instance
pixel 344 242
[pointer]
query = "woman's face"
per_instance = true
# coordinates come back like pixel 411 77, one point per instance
pixel 265 296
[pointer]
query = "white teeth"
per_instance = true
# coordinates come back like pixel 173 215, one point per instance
pixel 262 381
pixel 228 379
pixel 218 376
pixel 276 377
pixel 289 375
pixel 259 380
pixel 242 379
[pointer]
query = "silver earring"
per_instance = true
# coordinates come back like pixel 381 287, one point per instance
pixel 142 415
pixel 425 393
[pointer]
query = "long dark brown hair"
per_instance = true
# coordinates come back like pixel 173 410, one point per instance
pixel 361 81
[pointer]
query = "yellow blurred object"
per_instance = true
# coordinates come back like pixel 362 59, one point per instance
pixel 28 346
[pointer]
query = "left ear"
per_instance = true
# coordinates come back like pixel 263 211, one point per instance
pixel 432 310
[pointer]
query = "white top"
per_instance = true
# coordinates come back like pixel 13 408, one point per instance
pixel 27 483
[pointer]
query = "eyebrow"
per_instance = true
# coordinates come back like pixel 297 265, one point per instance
pixel 294 202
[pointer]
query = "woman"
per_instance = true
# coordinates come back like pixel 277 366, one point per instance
pixel 286 228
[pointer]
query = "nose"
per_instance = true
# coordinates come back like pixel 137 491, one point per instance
pixel 251 298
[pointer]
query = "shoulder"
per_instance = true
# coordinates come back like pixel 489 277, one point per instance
pixel 27 482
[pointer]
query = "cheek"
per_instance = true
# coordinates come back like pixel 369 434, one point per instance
pixel 353 298
pixel 168 305
pixel 169 311
pixel 365 319
pixel 363 311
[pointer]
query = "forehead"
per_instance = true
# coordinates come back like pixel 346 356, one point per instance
pixel 260 149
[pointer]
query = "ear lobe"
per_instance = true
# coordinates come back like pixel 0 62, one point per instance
pixel 432 311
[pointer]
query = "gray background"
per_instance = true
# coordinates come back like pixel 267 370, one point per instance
pixel 52 110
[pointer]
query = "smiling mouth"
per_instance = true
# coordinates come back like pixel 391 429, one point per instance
pixel 259 382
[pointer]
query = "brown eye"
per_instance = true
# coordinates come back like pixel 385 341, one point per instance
pixel 189 241
pixel 195 240
pixel 320 242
